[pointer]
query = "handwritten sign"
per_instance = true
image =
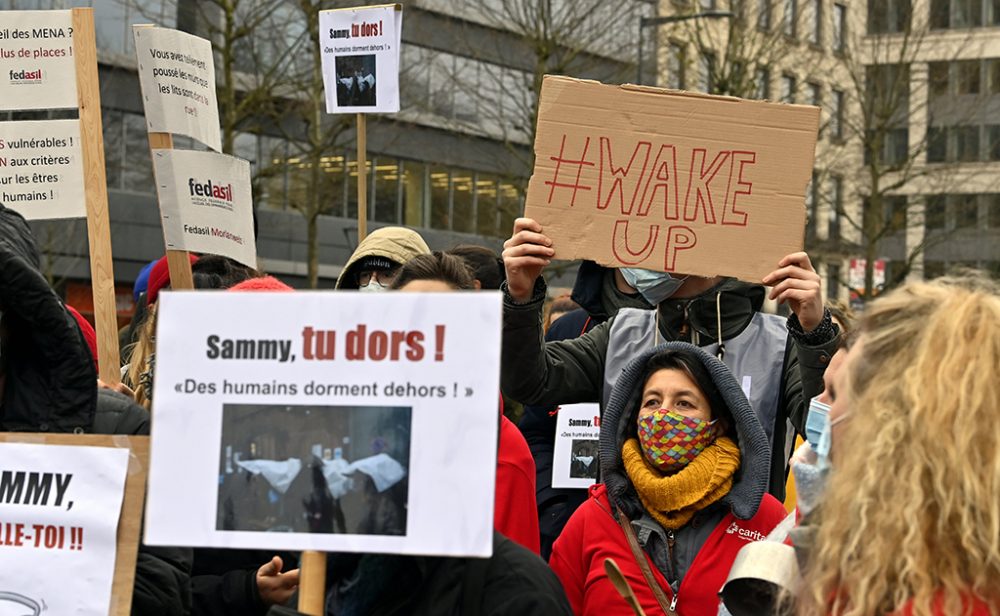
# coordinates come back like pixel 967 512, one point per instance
pixel 41 169
pixel 642 177
pixel 177 77
pixel 37 68
pixel 321 429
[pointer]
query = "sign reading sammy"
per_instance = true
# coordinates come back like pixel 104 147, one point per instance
pixel 360 50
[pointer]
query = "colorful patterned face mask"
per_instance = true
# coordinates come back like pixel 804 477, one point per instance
pixel 671 441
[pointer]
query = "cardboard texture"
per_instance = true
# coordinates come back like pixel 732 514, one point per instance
pixel 633 176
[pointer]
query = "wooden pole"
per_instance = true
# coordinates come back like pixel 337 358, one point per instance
pixel 312 583
pixel 102 274
pixel 177 260
pixel 362 177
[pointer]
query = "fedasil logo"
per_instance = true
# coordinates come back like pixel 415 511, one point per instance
pixel 24 76
pixel 210 193
pixel 745 533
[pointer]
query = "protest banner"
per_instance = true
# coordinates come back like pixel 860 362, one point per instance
pixel 177 78
pixel 41 169
pixel 633 176
pixel 37 69
pixel 360 59
pixel 54 169
pixel 574 456
pixel 70 508
pixel 206 203
pixel 351 424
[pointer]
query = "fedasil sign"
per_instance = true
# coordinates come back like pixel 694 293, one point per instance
pixel 213 194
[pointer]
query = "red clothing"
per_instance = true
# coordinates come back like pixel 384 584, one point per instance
pixel 515 513
pixel 593 535
pixel 978 609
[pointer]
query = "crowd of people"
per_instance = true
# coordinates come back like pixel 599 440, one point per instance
pixel 703 398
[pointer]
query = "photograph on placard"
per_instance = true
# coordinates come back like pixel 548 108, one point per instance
pixel 314 469
pixel 584 459
pixel 356 80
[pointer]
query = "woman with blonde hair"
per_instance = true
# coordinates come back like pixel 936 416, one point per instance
pixel 910 521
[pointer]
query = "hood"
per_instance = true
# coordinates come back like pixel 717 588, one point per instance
pixel 751 480
pixel 398 244
pixel 51 382
pixel 731 302
pixel 596 292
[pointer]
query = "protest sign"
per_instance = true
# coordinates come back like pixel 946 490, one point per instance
pixel 177 77
pixel 69 521
pixel 206 203
pixel 41 169
pixel 360 51
pixel 326 421
pixel 632 176
pixel 37 68
pixel 574 457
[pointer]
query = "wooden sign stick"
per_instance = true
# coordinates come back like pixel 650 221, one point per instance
pixel 177 260
pixel 312 583
pixel 362 131
pixel 102 275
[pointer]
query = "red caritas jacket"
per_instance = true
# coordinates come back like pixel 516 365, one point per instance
pixel 515 513
pixel 593 534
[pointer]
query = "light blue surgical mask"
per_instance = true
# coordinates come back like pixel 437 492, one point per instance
pixel 826 442
pixel 816 421
pixel 653 286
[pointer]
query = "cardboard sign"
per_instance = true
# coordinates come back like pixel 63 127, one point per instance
pixel 326 421
pixel 37 69
pixel 41 169
pixel 61 500
pixel 177 76
pixel 206 203
pixel 574 457
pixel 360 48
pixel 631 176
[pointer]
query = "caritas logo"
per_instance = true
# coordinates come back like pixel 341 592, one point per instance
pixel 211 194
pixel 744 533
pixel 24 76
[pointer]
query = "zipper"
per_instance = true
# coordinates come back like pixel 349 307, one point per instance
pixel 671 541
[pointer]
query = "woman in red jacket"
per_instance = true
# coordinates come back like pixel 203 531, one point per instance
pixel 909 524
pixel 685 468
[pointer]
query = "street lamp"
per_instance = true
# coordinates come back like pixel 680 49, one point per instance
pixel 645 22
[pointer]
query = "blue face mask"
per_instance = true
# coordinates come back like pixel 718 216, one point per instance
pixel 826 441
pixel 653 286
pixel 816 421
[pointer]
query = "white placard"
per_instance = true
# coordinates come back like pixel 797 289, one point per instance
pixel 37 69
pixel 59 509
pixel 41 169
pixel 362 423
pixel 360 51
pixel 574 457
pixel 177 76
pixel 206 203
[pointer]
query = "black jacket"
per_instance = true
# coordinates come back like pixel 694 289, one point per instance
pixel 50 385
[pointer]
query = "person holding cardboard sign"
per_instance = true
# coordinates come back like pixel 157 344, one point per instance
pixel 779 368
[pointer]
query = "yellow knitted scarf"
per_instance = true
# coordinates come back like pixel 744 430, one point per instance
pixel 672 500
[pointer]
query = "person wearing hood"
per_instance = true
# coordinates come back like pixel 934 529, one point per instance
pixel 685 467
pixel 779 362
pixel 48 383
pixel 378 257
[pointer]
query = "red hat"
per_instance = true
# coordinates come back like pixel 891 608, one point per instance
pixel 159 277
pixel 265 283
pixel 88 332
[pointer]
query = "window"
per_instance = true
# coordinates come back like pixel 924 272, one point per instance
pixel 966 13
pixel 934 212
pixel 510 207
pixel 839 27
pixel 385 193
pixel 440 197
pixel 968 77
pixel 462 196
pixel 707 72
pixel 814 92
pixel 993 142
pixel 897 146
pixel 414 194
pixel 937 78
pixel 993 210
pixel 966 211
pixel 993 69
pixel 763 80
pixel 886 16
pixel 787 89
pixel 967 143
pixel 895 213
pixel 675 67
pixel 486 204
pixel 812 207
pixel 940 11
pixel 937 144
pixel 836 207
pixel 789 18
pixel 137 165
pixel 816 30
pixel 833 281
pixel 837 114
pixel 764 14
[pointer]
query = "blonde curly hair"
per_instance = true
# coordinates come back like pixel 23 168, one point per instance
pixel 912 509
